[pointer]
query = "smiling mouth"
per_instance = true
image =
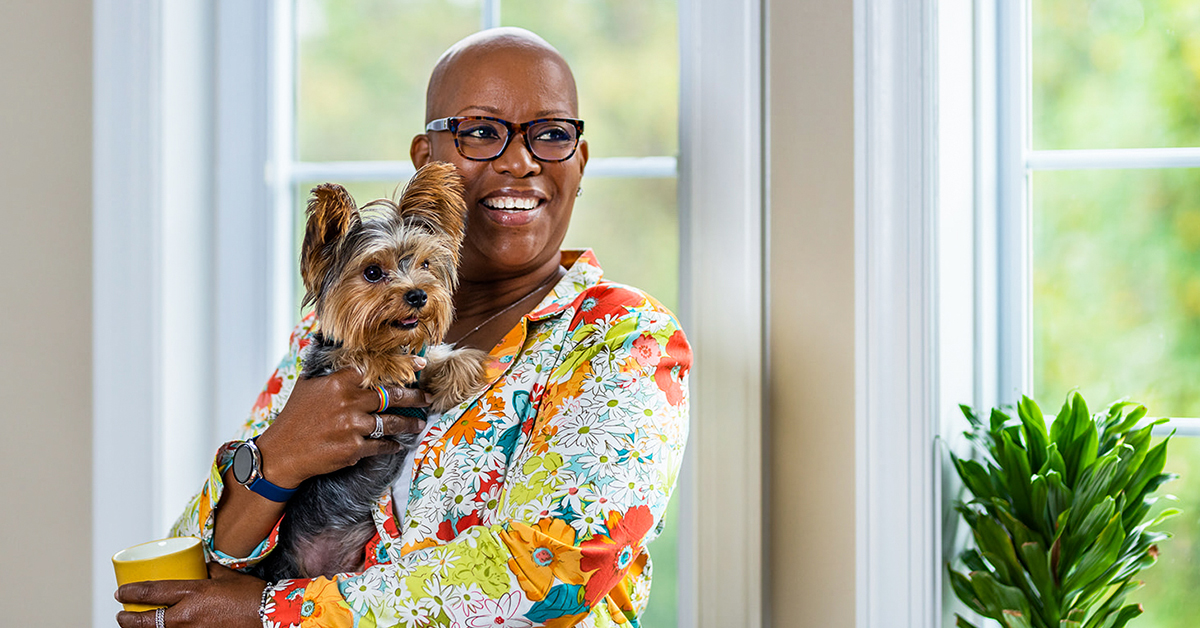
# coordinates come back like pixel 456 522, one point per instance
pixel 408 323
pixel 511 203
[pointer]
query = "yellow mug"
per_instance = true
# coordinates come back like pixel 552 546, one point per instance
pixel 176 558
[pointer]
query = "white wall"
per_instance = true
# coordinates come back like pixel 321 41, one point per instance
pixel 45 312
pixel 811 396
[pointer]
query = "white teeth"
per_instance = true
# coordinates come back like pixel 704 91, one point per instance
pixel 511 202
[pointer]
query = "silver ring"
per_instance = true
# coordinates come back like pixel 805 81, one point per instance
pixel 159 614
pixel 378 433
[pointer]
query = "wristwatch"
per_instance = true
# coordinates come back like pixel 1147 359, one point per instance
pixel 247 470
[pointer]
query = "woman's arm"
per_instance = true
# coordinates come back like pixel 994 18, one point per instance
pixel 305 427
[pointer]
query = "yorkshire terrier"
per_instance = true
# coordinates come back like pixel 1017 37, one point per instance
pixel 382 281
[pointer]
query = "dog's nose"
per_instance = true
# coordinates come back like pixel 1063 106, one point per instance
pixel 415 298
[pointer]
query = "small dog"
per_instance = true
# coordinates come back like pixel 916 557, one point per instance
pixel 382 281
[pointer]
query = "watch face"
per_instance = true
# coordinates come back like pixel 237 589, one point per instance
pixel 243 463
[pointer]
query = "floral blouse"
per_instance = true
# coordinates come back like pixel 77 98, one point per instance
pixel 531 504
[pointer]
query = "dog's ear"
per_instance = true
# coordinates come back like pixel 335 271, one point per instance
pixel 433 199
pixel 331 215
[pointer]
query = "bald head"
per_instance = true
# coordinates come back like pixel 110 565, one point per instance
pixel 458 68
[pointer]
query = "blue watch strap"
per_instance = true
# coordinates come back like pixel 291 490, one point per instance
pixel 262 485
pixel 274 493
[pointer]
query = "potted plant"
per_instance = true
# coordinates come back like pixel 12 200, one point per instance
pixel 1059 516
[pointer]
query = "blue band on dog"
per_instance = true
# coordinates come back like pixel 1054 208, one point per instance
pixel 416 413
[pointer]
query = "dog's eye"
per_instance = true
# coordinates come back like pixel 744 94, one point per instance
pixel 425 264
pixel 373 273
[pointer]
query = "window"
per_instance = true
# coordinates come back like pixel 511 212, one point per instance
pixel 194 101
pixel 1103 217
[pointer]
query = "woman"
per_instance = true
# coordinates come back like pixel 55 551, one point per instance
pixel 533 505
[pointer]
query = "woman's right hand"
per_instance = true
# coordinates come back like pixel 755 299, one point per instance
pixel 325 424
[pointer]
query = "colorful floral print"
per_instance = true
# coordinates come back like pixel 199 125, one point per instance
pixel 531 504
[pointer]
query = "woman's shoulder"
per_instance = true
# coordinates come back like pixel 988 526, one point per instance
pixel 608 303
pixel 613 294
pixel 598 298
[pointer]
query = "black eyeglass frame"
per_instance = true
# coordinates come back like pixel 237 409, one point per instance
pixel 451 124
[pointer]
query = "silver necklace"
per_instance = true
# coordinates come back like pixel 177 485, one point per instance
pixel 491 318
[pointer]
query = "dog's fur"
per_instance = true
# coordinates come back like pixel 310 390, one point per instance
pixel 363 271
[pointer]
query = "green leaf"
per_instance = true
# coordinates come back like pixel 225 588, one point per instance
pixel 1033 426
pixel 1124 615
pixel 1130 420
pixel 1125 456
pixel 974 477
pixel 963 590
pixel 959 622
pixel 1093 488
pixel 1080 536
pixel 997 597
pixel 1077 438
pixel 969 413
pixel 1153 465
pixel 996 546
pixel 1140 442
pixel 1037 561
pixel 972 559
pixel 1113 597
pixel 1039 493
pixel 1144 554
pixel 1016 473
pixel 1020 532
pixel 1058 427
pixel 1163 516
pixel 1016 619
pixel 1086 447
pixel 1058 497
pixel 1097 558
pixel 1054 461
pixel 998 418
pixel 1080 418
pixel 1075 616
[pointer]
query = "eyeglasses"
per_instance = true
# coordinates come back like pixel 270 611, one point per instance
pixel 483 138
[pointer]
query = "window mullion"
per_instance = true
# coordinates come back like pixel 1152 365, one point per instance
pixel 1013 220
pixel 658 167
pixel 1113 158
pixel 489 16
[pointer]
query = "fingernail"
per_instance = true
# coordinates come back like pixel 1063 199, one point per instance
pixel 420 362
pixel 428 398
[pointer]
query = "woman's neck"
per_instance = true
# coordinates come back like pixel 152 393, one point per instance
pixel 485 310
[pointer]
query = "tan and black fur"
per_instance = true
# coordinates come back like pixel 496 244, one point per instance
pixel 382 280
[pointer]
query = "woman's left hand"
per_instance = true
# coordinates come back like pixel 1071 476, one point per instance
pixel 228 599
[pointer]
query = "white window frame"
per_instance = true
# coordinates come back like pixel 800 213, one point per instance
pixel 1018 162
pixel 898 475
pixel 227 245
pixel 999 231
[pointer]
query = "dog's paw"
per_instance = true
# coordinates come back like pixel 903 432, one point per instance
pixel 454 375
pixel 387 370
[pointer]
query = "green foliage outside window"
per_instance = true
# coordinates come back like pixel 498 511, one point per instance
pixel 1116 254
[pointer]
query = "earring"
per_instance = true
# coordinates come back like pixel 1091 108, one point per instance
pixel 579 191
